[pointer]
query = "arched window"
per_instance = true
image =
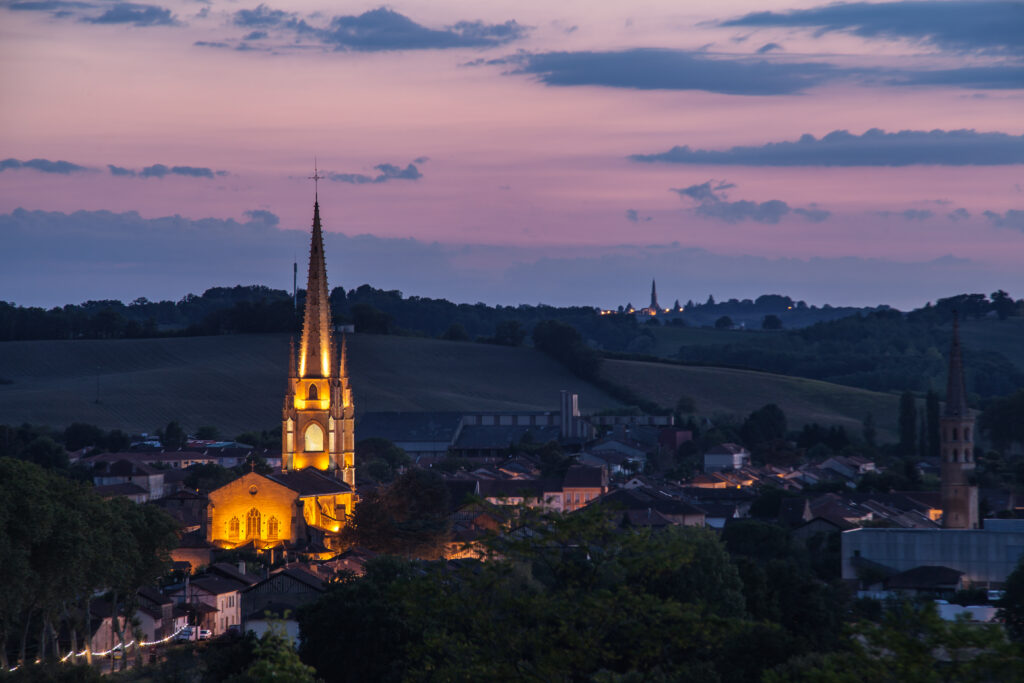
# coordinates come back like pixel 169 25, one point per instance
pixel 314 437
pixel 272 528
pixel 233 527
pixel 311 395
pixel 252 524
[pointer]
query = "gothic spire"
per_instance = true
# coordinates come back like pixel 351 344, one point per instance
pixel 654 297
pixel 956 393
pixel 315 347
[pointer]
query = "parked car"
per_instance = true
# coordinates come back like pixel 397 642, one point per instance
pixel 205 633
pixel 186 634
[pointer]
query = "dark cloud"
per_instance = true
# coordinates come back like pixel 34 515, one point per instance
pixel 668 69
pixel 734 212
pixel 263 17
pixel 263 216
pixel 159 171
pixel 907 214
pixel 1013 218
pixel 117 170
pixel 633 216
pixel 709 191
pixel 44 165
pixel 208 43
pixel 50 6
pixel 381 29
pixel 768 47
pixel 813 213
pixel 255 35
pixel 958 25
pixel 387 172
pixel 134 14
pixel 958 215
pixel 712 201
pixel 385 29
pixel 996 77
pixel 663 69
pixel 873 148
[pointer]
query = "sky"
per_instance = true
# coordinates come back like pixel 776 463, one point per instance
pixel 514 152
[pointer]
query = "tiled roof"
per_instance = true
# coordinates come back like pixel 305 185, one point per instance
pixel 581 476
pixel 215 585
pixel 310 482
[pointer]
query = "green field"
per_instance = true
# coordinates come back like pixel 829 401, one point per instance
pixel 724 391
pixel 237 382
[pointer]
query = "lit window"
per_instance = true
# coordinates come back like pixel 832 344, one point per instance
pixel 314 438
pixel 252 524
pixel 272 527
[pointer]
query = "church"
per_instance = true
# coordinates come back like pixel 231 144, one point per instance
pixel 308 502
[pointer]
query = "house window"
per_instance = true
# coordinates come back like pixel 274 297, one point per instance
pixel 272 526
pixel 252 524
pixel 233 527
pixel 967 433
pixel 954 433
pixel 314 438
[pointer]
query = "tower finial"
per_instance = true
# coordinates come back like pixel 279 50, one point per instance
pixel 316 178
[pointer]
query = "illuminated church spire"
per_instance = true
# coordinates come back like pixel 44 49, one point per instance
pixel 317 421
pixel 315 347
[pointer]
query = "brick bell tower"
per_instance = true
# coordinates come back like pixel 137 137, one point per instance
pixel 318 417
pixel 956 430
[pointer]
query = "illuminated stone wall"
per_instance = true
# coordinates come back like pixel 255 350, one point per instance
pixel 230 517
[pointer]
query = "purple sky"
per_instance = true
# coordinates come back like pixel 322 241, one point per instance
pixel 514 152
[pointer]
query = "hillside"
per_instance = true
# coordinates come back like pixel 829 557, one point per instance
pixel 723 391
pixel 236 382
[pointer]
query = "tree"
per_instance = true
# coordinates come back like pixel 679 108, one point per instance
pixel 771 322
pixel 565 344
pixel 1011 605
pixel 908 423
pixel 275 661
pixel 764 424
pixel 1003 304
pixel 409 517
pixel 509 333
pixel 78 435
pixel 868 430
pixel 455 332
pixel 724 323
pixel 173 436
pixel 208 433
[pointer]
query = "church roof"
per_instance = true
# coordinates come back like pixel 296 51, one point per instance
pixel 310 482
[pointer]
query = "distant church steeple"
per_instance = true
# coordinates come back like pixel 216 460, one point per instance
pixel 318 416
pixel 956 432
pixel 654 297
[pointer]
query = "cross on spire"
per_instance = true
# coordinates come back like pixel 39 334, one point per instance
pixel 316 178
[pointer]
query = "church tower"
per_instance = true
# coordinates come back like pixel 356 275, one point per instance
pixel 655 308
pixel 318 417
pixel 956 427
